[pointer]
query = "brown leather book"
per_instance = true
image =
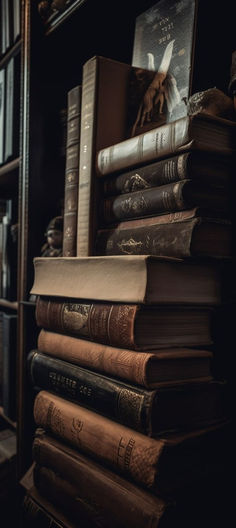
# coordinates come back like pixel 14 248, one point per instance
pixel 112 91
pixel 156 463
pixel 147 369
pixel 83 487
pixel 173 234
pixel 127 325
pixel 171 407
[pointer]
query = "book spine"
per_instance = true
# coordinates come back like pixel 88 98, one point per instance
pixel 88 112
pixel 125 450
pixel 34 514
pixel 173 240
pixel 61 492
pixel 125 364
pixel 114 500
pixel 111 324
pixel 131 406
pixel 157 143
pixel 72 172
pixel 157 200
pixel 160 173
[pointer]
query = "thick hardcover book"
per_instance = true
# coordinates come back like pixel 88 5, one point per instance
pixel 111 95
pixel 156 463
pixel 127 325
pixel 147 369
pixel 129 279
pixel 203 132
pixel 150 412
pixel 204 168
pixel 72 171
pixel 169 198
pixel 181 234
pixel 9 335
pixel 107 498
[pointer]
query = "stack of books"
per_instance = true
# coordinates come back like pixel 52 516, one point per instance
pixel 168 191
pixel 127 411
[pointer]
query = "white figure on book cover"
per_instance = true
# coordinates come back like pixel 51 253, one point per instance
pixel 163 88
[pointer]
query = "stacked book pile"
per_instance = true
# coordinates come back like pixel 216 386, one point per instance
pixel 168 191
pixel 129 416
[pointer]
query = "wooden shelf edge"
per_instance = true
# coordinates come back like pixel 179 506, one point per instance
pixel 9 304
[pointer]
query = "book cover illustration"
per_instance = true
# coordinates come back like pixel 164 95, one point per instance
pixel 163 42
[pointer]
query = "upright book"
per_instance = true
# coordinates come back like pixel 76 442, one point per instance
pixel 111 95
pixel 129 279
pixel 72 171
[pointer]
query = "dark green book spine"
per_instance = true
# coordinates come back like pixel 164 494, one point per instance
pixel 124 403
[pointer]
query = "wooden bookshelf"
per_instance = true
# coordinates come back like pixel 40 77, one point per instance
pixel 52 54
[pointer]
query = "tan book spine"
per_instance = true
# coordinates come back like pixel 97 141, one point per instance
pixel 85 167
pixel 123 363
pixel 106 323
pixel 125 450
